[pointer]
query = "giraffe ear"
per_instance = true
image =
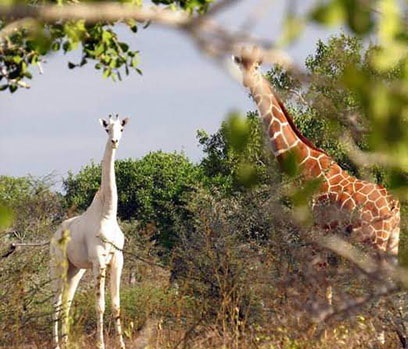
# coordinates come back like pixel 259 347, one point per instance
pixel 104 123
pixel 124 121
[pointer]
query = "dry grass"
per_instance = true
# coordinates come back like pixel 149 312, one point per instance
pixel 233 292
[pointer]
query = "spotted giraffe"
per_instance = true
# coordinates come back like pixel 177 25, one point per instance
pixel 362 210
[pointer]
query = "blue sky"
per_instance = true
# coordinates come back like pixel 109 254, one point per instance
pixel 53 128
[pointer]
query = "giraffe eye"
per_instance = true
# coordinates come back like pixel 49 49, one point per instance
pixel 236 59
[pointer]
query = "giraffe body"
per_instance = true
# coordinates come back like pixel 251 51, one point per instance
pixel 362 210
pixel 94 241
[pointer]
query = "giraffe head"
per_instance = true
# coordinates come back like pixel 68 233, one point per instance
pixel 114 128
pixel 248 61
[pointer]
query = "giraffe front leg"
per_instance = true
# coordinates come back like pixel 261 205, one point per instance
pixel 116 271
pixel 100 276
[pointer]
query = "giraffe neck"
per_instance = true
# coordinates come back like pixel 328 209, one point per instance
pixel 285 139
pixel 108 190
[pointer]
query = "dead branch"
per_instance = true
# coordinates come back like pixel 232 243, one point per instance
pixel 376 269
pixel 365 159
pixel 354 305
pixel 14 245
pixel 30 244
pixel 132 255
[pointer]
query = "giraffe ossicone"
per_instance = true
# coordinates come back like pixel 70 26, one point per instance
pixel 363 210
pixel 94 241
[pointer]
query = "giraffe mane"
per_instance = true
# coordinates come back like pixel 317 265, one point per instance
pixel 292 124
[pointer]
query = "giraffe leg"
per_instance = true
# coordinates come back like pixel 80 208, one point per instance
pixel 100 276
pixel 329 295
pixel 57 273
pixel 116 271
pixel 58 289
pixel 74 275
pixel 392 246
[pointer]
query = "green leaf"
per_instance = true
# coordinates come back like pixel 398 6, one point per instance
pixel 12 88
pixel 238 132
pixel 134 62
pixel 106 36
pixel 107 73
pixel 331 13
pixel 247 174
pixel 6 217
pixel 67 46
pixel 99 50
pixel 17 59
pixel 359 16
pixel 56 45
pixel 289 164
pixel 124 46
pixel 302 195
pixel 390 24
pixel 292 28
pixel 75 31
pixel 398 179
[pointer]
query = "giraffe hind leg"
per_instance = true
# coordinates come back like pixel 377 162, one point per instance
pixel 74 275
pixel 57 273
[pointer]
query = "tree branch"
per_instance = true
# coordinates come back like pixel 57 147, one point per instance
pixel 14 245
pixel 380 269
pixel 211 37
pixel 95 12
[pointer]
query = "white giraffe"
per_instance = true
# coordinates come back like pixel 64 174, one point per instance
pixel 91 240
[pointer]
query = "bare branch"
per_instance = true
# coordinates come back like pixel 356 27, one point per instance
pixel 379 269
pixel 353 305
pixel 133 255
pixel 299 95
pixel 13 247
pixel 95 12
pixel 366 159
pixel 30 244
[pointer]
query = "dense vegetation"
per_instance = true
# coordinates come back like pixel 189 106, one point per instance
pixel 214 255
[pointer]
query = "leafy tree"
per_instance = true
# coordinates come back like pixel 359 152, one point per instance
pixel 33 207
pixel 235 157
pixel 151 190
pixel 99 43
pixel 14 189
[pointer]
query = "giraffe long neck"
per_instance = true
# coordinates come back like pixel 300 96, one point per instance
pixel 108 183
pixel 284 137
